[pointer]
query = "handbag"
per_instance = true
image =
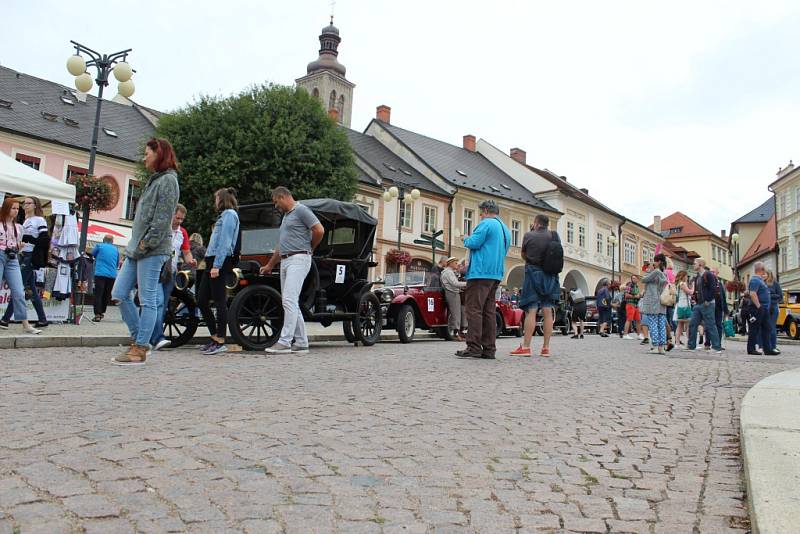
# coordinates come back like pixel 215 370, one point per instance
pixel 727 326
pixel 668 295
pixel 166 272
pixel 684 313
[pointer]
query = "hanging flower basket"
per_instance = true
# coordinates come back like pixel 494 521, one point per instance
pixel 400 257
pixel 93 190
pixel 734 286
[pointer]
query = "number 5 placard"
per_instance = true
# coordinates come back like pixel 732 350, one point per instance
pixel 340 270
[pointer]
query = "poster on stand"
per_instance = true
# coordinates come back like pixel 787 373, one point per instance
pixel 57 311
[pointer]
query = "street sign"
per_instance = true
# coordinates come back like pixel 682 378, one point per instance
pixel 431 241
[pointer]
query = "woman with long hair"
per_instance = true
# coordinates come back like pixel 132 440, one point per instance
pixel 149 248
pixel 10 245
pixel 683 305
pixel 219 264
pixel 33 227
pixel 654 314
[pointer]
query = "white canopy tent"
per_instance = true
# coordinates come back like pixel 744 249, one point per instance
pixel 19 179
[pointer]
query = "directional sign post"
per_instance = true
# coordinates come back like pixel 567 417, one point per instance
pixel 432 241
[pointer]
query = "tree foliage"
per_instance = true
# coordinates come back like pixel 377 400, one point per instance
pixel 266 136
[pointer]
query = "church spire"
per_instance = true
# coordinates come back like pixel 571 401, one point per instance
pixel 328 51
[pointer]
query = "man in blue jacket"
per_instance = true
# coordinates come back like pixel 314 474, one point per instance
pixel 705 309
pixel 488 246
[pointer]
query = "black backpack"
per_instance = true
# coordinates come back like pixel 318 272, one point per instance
pixel 553 256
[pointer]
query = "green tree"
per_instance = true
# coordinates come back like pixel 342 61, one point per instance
pixel 266 136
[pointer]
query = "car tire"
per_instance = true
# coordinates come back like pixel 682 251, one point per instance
pixel 567 328
pixel 445 333
pixel 367 326
pixel 255 317
pixel 406 323
pixel 347 327
pixel 180 319
pixel 501 325
pixel 521 329
pixel 794 329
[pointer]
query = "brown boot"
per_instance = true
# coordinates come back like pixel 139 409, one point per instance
pixel 136 355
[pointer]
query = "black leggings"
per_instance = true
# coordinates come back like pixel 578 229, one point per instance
pixel 214 288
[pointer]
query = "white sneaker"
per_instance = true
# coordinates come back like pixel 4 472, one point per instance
pixel 278 348
pixel 32 331
pixel 297 349
pixel 629 336
pixel 161 344
pixel 641 336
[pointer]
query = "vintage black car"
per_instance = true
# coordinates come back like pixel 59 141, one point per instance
pixel 336 289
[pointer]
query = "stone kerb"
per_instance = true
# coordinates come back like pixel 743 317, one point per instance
pixel 770 421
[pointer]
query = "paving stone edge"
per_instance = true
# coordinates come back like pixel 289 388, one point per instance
pixel 41 342
pixel 770 426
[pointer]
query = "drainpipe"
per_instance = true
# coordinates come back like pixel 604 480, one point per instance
pixel 777 241
pixel 619 249
pixel 450 223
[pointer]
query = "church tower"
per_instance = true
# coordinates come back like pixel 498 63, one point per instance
pixel 325 78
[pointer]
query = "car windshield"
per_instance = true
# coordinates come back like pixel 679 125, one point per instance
pixel 259 240
pixel 411 278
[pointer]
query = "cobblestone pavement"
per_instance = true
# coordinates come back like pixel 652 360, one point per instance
pixel 395 438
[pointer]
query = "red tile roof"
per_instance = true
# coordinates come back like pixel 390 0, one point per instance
pixel 680 225
pixel 766 241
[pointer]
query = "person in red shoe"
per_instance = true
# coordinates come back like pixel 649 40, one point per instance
pixel 541 291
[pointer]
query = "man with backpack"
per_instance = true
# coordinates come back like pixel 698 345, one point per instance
pixel 488 246
pixel 541 291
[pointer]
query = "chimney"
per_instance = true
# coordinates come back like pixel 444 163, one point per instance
pixel 384 114
pixel 334 114
pixel 657 224
pixel 584 190
pixel 517 154
pixel 469 142
pixel 723 233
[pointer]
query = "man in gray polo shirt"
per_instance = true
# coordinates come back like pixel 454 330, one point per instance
pixel 300 234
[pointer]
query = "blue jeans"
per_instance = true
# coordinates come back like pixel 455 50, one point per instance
pixel 773 327
pixel 759 330
pixel 163 304
pixel 28 280
pixel 10 272
pixel 143 273
pixel 704 313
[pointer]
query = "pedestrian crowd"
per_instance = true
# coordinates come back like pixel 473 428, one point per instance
pixel 657 308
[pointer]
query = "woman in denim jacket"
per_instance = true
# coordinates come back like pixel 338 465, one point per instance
pixel 219 264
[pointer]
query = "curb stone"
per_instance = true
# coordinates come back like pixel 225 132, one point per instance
pixel 770 423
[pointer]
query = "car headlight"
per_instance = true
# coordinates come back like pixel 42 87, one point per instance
pixel 387 296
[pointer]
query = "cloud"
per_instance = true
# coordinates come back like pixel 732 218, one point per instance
pixel 685 105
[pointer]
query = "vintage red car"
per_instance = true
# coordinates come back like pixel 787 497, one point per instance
pixel 414 301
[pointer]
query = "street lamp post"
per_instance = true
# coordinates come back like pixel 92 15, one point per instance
pixel 735 241
pixel 104 63
pixel 613 240
pixel 398 191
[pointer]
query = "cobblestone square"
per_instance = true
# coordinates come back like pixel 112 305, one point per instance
pixel 601 437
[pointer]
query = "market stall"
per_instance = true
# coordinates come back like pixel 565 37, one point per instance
pixel 17 179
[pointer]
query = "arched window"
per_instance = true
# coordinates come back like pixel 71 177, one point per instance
pixel 315 93
pixel 340 107
pixel 332 100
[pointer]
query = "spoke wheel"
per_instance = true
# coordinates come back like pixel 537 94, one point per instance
pixel 367 326
pixel 347 327
pixel 501 326
pixel 406 323
pixel 255 317
pixel 794 330
pixel 180 319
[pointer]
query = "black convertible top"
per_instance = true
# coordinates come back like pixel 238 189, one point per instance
pixel 336 209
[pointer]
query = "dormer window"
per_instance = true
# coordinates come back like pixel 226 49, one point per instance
pixel 67 101
pixel 110 133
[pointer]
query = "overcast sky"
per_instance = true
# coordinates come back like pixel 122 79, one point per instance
pixel 682 105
